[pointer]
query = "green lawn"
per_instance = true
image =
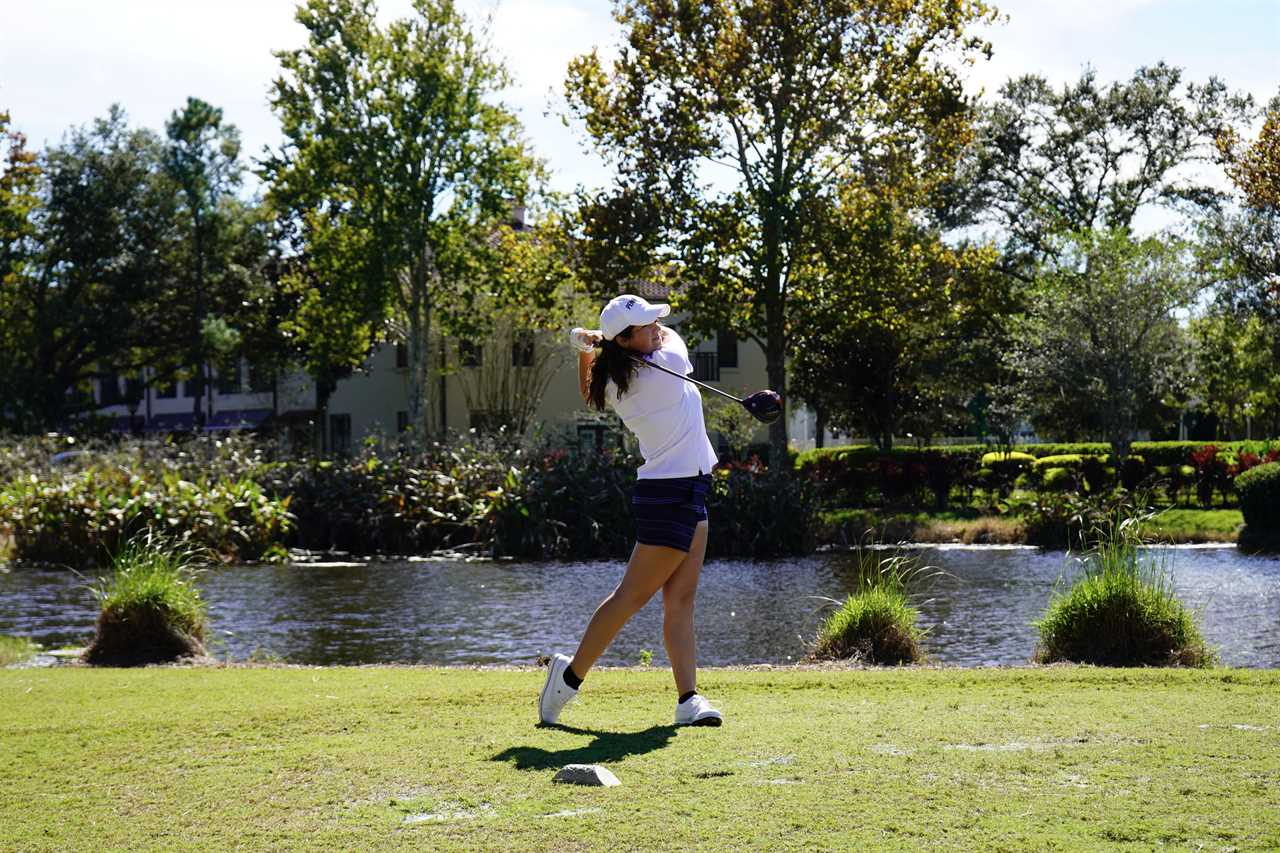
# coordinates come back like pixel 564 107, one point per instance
pixel 1180 524
pixel 1059 758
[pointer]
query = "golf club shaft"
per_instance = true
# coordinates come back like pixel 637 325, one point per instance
pixel 689 378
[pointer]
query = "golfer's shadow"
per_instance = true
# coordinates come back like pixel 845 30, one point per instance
pixel 607 747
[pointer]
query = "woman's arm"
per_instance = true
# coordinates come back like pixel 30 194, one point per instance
pixel 585 360
pixel 585 341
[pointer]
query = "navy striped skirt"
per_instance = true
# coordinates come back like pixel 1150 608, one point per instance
pixel 667 511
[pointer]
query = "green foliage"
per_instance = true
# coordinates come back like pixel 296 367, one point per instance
pixel 1100 347
pixel 80 517
pixel 400 165
pixel 875 624
pixel 566 505
pixel 1259 491
pixel 760 513
pixel 1057 480
pixel 1090 157
pixel 783 94
pixel 151 607
pixel 1121 610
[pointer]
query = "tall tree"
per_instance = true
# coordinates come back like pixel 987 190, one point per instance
pixel 1100 344
pixel 398 167
pixel 1244 243
pixel 726 121
pixel 892 336
pixel 203 158
pixel 1087 156
pixel 20 183
pixel 94 295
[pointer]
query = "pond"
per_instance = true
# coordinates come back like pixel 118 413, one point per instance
pixel 451 612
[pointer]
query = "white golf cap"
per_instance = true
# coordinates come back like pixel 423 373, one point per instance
pixel 627 310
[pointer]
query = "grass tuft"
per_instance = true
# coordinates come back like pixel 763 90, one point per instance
pixel 876 623
pixel 1122 610
pixel 151 608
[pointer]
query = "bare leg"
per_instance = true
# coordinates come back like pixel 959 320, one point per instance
pixel 649 568
pixel 677 613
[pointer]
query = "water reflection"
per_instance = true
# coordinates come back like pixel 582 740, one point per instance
pixel 748 612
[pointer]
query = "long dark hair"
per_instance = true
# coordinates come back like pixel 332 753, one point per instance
pixel 613 363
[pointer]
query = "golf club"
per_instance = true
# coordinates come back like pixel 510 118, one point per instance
pixel 765 406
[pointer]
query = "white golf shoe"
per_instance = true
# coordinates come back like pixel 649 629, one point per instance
pixel 555 693
pixel 697 711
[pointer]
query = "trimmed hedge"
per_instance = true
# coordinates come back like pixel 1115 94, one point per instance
pixel 865 476
pixel 1259 490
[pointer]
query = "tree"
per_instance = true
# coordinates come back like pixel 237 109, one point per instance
pixel 203 159
pixel 1100 345
pixel 908 346
pixel 727 121
pixel 20 182
pixel 1048 163
pixel 92 295
pixel 1235 371
pixel 397 170
pixel 525 349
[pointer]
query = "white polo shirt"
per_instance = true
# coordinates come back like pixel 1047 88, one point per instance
pixel 665 413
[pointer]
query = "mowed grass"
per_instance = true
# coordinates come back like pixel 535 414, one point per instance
pixel 1058 758
pixel 1182 525
pixel 1185 524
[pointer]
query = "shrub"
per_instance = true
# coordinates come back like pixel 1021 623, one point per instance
pixel 1121 610
pixel 1259 490
pixel 876 623
pixel 80 517
pixel 755 513
pixel 566 505
pixel 151 608
pixel 1057 480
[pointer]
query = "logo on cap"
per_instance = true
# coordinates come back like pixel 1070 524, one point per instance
pixel 630 303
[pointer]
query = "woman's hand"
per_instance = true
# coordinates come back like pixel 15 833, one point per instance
pixel 585 340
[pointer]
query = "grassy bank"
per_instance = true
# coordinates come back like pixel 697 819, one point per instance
pixel 1179 525
pixel 406 758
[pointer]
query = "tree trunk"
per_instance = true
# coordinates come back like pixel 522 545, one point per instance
pixel 775 366
pixel 419 311
pixel 820 424
pixel 201 371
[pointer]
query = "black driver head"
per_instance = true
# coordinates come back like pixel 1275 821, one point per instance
pixel 764 406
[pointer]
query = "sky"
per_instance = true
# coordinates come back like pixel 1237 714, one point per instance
pixel 63 62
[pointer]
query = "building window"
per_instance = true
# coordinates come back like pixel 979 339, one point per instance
pixel 706 366
pixel 194 386
pixel 260 379
pixel 471 355
pixel 522 350
pixel 134 390
pixel 727 349
pixel 402 355
pixel 340 433
pixel 596 437
pixel 229 378
pixel 109 390
pixel 167 390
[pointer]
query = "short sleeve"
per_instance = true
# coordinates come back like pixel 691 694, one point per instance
pixel 673 354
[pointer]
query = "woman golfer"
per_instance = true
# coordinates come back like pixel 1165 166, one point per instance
pixel 669 503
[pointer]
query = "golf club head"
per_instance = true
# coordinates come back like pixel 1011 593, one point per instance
pixel 764 406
